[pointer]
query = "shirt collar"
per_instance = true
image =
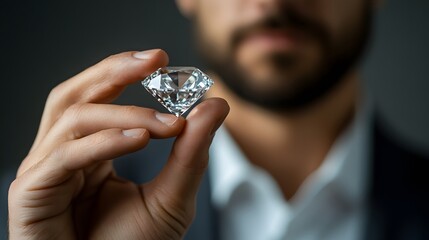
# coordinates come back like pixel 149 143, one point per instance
pixel 343 173
pixel 343 170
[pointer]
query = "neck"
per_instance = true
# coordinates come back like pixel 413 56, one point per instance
pixel 290 146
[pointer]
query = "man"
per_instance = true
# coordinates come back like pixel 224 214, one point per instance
pixel 297 157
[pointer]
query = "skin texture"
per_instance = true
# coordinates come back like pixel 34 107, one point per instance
pixel 66 187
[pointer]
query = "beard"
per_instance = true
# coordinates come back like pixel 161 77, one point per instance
pixel 291 92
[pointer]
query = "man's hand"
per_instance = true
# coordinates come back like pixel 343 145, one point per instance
pixel 66 187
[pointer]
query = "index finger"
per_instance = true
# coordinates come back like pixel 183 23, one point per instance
pixel 101 83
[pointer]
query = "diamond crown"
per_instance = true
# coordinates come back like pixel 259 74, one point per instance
pixel 177 88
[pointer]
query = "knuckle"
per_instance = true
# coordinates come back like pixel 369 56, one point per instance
pixel 55 91
pixel 55 94
pixel 105 68
pixel 74 111
pixel 130 109
pixel 106 139
pixel 102 138
pixel 14 185
pixel 172 209
pixel 58 99
pixel 133 110
pixel 71 119
pixel 112 60
pixel 58 152
pixel 13 191
pixel 113 57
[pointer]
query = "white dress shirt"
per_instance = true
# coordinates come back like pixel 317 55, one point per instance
pixel 328 205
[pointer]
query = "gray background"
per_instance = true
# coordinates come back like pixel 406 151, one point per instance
pixel 45 42
pixel 42 43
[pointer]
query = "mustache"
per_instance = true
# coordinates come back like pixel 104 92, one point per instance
pixel 283 21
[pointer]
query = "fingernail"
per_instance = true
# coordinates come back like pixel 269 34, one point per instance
pixel 134 133
pixel 168 119
pixel 148 54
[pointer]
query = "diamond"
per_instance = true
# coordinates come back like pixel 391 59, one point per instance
pixel 177 88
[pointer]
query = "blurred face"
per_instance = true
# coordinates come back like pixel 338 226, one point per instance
pixel 281 54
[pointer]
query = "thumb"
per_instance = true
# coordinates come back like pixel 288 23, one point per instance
pixel 178 182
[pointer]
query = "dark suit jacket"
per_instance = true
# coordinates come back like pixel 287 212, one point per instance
pixel 399 197
pixel 398 200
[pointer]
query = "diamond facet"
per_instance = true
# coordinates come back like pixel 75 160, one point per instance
pixel 177 88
